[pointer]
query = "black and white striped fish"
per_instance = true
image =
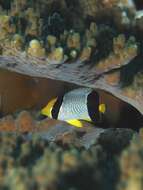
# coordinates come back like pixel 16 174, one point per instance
pixel 75 106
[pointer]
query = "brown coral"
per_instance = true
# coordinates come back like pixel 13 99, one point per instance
pixel 122 53
pixel 95 7
pixel 34 163
pixel 113 78
pixel 131 165
pixel 24 122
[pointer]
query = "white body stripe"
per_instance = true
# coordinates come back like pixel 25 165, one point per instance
pixel 74 105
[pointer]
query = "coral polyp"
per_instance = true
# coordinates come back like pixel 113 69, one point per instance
pixel 35 49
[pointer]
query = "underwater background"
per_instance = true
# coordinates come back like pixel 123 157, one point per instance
pixel 48 48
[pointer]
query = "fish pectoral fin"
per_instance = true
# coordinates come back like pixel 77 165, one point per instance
pixel 75 122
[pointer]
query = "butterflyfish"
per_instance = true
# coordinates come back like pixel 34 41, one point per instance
pixel 75 106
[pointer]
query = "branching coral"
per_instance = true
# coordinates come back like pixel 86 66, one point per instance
pixel 122 53
pixel 39 39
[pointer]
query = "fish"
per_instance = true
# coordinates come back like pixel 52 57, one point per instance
pixel 75 106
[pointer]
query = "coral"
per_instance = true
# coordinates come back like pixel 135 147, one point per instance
pixel 90 7
pixel 35 49
pixel 85 54
pixel 101 39
pixel 27 19
pixel 134 90
pixel 7 124
pixel 73 40
pixel 57 55
pixel 34 163
pixel 37 164
pixel 61 132
pixel 121 53
pixel 113 78
pixel 19 179
pixel 17 41
pixel 11 47
pixel 48 37
pixel 33 18
pixel 73 54
pixel 131 164
pixel 24 122
pixel 51 40
pixel 95 7
pixel 138 80
pixel 118 43
pixel 5 26
pixel 110 139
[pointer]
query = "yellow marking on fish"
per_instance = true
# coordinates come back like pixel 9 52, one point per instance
pixel 102 108
pixel 75 123
pixel 88 119
pixel 48 108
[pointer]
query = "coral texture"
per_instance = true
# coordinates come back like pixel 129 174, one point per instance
pixel 131 164
pixel 30 162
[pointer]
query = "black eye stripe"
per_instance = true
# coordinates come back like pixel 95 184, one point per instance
pixel 93 106
pixel 56 107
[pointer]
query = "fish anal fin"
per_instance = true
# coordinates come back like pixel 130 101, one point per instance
pixel 75 122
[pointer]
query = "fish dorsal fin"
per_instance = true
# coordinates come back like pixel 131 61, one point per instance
pixel 48 108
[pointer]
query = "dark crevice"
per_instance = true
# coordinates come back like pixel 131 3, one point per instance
pixel 131 118
pixel 139 4
pixel 129 71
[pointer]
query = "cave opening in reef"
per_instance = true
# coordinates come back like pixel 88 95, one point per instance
pixel 20 92
pixel 130 118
